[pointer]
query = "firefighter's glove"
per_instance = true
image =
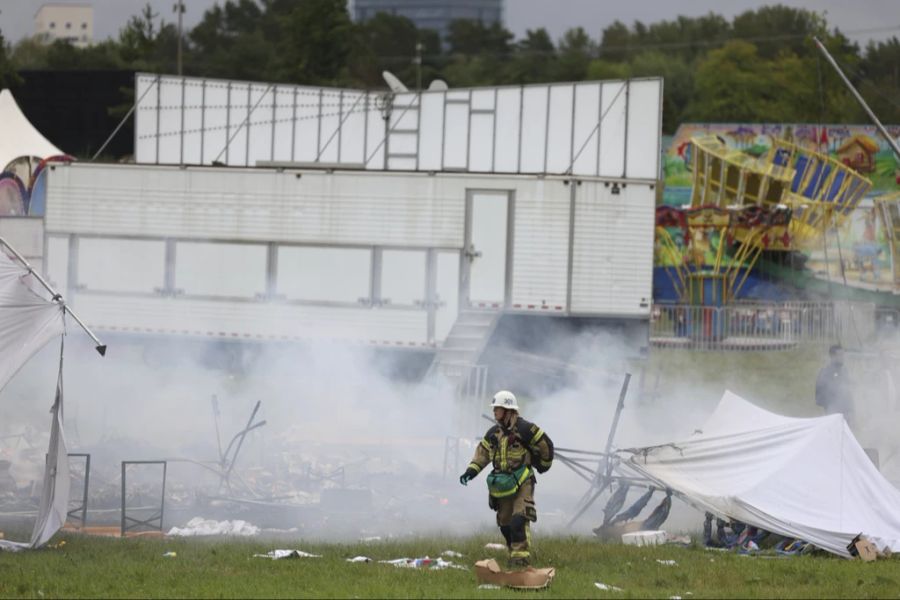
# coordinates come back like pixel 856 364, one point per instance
pixel 469 475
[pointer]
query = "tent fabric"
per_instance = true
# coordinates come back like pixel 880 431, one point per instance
pixel 28 321
pixel 18 137
pixel 802 478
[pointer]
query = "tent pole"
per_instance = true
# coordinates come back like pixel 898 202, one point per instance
pixel 100 347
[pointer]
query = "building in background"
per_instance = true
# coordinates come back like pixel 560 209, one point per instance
pixel 432 14
pixel 73 23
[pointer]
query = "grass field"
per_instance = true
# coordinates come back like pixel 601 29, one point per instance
pixel 96 567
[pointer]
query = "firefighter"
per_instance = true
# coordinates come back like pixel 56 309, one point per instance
pixel 516 448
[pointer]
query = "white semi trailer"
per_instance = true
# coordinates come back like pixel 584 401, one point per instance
pixel 398 215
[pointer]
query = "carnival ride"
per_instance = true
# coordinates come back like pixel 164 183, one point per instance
pixel 741 206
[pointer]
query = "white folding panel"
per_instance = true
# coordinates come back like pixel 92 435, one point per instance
pixel 282 130
pixel 488 226
pixel 539 128
pixel 170 108
pixel 447 293
pixel 259 126
pixel 613 110
pixel 218 269
pixel 238 113
pixel 508 130
pixel 644 123
pixel 586 128
pixel 559 129
pixel 403 277
pixel 120 265
pixel 193 117
pixel 431 131
pixel 214 122
pixel 541 246
pixel 533 146
pixel 354 106
pixel 309 273
pixel 456 131
pixel 612 269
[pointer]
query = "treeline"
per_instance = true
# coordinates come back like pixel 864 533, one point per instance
pixel 760 66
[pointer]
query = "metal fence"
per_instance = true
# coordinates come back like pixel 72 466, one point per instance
pixel 756 326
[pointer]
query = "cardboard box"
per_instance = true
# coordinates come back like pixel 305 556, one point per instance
pixel 488 571
pixel 866 550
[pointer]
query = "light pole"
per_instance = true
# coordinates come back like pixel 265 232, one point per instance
pixel 418 62
pixel 179 8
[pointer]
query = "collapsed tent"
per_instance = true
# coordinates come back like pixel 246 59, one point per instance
pixel 803 478
pixel 32 314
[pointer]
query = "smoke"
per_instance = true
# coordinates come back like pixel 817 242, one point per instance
pixel 355 444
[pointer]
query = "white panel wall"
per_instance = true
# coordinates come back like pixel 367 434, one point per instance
pixel 222 270
pixel 118 265
pixel 251 320
pixel 308 274
pixel 237 204
pixel 541 247
pixel 609 129
pixel 612 268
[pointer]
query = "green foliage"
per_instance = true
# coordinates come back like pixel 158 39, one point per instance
pixel 760 66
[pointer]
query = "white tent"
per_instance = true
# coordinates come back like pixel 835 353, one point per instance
pixel 803 478
pixel 28 320
pixel 18 137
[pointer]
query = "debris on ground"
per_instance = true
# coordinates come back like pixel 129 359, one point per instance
pixel 360 559
pixel 426 562
pixel 679 540
pixel 170 554
pixel 494 546
pixel 279 554
pixel 644 538
pixel 668 563
pixel 489 586
pixel 198 526
pixel 606 587
pixel 488 571
pixel 452 554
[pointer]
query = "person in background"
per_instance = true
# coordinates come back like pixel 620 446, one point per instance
pixel 516 448
pixel 834 392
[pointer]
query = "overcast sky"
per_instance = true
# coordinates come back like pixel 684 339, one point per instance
pixel 860 19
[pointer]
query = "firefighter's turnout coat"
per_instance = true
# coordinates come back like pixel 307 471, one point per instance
pixel 523 444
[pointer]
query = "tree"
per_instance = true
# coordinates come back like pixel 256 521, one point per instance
pixel 534 58
pixel 8 75
pixel 575 52
pixel 615 42
pixel 731 84
pixel 314 42
pixel 474 38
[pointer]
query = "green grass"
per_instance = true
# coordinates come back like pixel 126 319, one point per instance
pixel 97 567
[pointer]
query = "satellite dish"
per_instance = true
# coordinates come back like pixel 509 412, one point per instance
pixel 393 82
pixel 438 85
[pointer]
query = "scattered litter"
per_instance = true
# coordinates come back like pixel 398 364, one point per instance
pixel 674 597
pixel 489 586
pixel 668 563
pixel 279 554
pixel 607 588
pixel 170 554
pixel 358 559
pixel 199 526
pixel 57 545
pixel 680 540
pixel 494 546
pixel 426 562
pixel 373 538
pixel 488 571
pixel 452 554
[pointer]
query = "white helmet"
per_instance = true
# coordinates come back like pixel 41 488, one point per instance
pixel 505 399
